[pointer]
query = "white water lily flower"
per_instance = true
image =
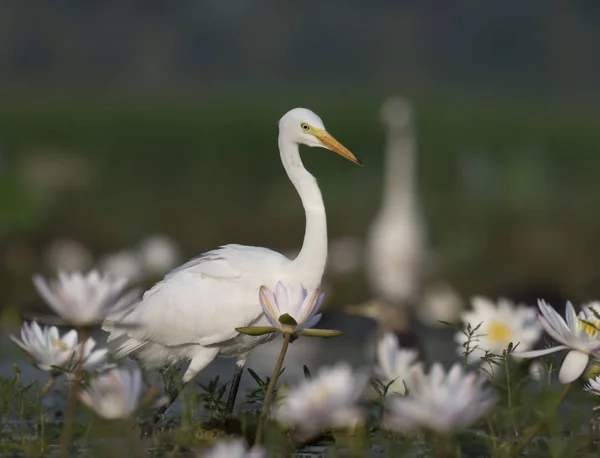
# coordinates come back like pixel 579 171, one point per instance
pixel 593 386
pixel 439 401
pixel 93 360
pixel 45 346
pixel 579 334
pixel 537 371
pixel 395 364
pixel 84 300
pixel 294 301
pixel 114 394
pixel 499 325
pixel 234 449
pixel 330 399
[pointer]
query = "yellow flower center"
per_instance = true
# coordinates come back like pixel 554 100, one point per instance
pixel 499 332
pixel 591 326
pixel 320 395
pixel 60 344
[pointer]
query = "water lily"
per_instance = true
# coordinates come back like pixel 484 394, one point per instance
pixel 439 401
pixel 593 386
pixel 84 300
pixel 114 394
pixel 579 334
pixel 92 360
pixel 234 449
pixel 292 308
pixel 499 325
pixel 329 399
pixel 45 346
pixel 395 364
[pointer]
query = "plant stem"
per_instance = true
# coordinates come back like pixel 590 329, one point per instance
pixel 49 384
pixel 510 407
pixel 443 446
pixel 534 431
pixel 67 431
pixel 265 407
pixel 357 438
pixel 136 442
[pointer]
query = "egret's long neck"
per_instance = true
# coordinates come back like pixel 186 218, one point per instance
pixel 313 256
pixel 399 186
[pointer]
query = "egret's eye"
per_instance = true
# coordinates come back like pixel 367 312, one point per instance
pixel 304 126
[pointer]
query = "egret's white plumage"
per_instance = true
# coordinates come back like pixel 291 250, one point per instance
pixel 401 267
pixel 193 312
pixel 396 251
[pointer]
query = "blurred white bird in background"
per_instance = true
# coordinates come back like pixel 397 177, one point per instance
pixel 396 251
pixel 193 312
pixel 399 265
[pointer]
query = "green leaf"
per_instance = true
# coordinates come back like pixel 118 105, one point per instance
pixel 287 319
pixel 257 331
pixel 256 377
pixel 323 333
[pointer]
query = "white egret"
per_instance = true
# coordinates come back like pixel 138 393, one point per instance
pixel 396 251
pixel 400 267
pixel 193 312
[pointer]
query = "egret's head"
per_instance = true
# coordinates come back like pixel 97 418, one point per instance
pixel 396 112
pixel 302 126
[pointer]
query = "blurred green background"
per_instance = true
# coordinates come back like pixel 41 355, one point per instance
pixel 119 119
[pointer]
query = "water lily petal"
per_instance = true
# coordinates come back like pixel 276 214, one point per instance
pixel 312 321
pixel 309 306
pixel 70 339
pixel 573 366
pixel 44 290
pixel 552 332
pixel 281 295
pixel 269 306
pixel 387 347
pixel 555 320
pixel 537 353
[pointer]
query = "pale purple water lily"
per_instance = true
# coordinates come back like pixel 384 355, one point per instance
pixel 84 300
pixel 294 301
pixel 115 394
pixel 578 334
pixel 439 401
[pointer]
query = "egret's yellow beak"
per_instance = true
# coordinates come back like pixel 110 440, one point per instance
pixel 332 144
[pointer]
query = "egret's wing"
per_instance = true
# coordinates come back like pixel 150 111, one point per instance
pixel 204 300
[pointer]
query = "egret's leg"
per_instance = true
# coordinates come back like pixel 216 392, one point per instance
pixel 235 383
pixel 202 359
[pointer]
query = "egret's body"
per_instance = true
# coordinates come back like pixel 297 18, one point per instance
pixel 396 252
pixel 193 312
